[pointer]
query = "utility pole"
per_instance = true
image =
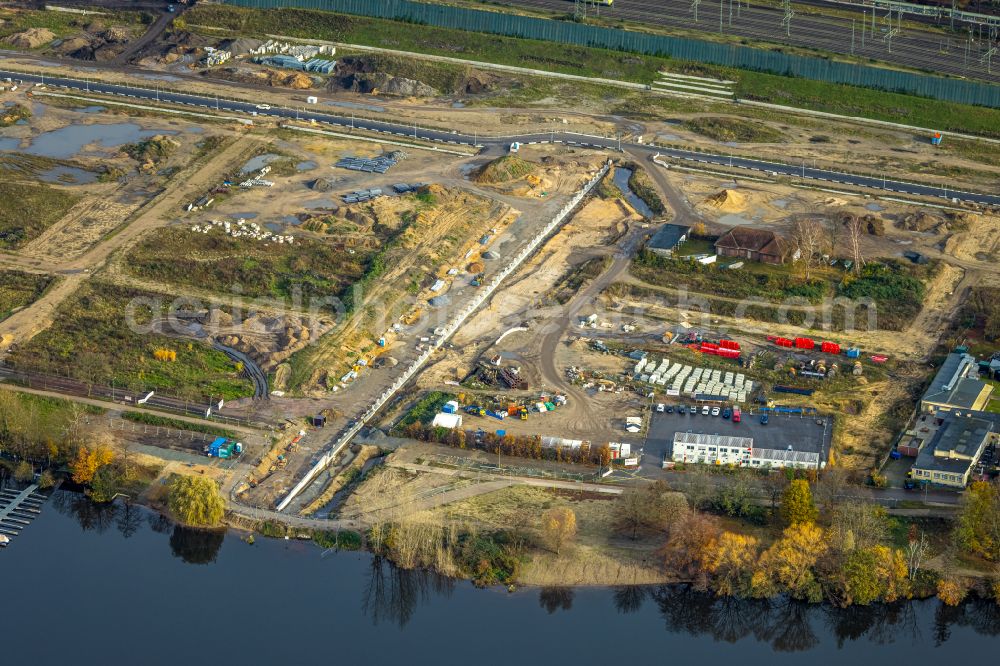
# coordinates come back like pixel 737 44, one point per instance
pixel 852 36
pixel 721 5
pixel 694 8
pixel 988 57
pixel 730 13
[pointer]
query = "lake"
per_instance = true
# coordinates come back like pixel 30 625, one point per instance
pixel 121 585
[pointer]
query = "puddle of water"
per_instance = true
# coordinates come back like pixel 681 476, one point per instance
pixel 355 105
pixel 92 109
pixel 21 122
pixel 245 216
pixel 9 143
pixel 621 180
pixel 457 105
pixel 291 219
pixel 66 142
pixel 734 219
pixel 273 227
pixel 259 162
pixel 67 176
pixel 874 207
pixel 308 165
pixel 780 203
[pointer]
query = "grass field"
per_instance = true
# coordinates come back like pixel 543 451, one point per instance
pixel 733 129
pixel 93 340
pixel 594 62
pixel 63 24
pixel 28 210
pixel 224 264
pixel 18 289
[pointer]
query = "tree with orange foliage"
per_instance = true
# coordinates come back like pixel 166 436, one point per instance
pixel 558 528
pixel 88 460
pixel 952 590
pixel 787 566
pixel 687 541
pixel 730 560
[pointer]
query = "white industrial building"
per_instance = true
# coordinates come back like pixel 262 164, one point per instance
pixel 692 447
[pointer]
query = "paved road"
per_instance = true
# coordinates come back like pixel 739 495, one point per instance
pixel 413 132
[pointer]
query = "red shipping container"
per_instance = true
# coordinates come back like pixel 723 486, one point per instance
pixel 830 347
pixel 783 342
pixel 729 344
pixel 804 343
pixel 878 358
pixel 729 353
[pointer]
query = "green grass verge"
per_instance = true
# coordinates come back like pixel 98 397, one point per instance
pixel 733 129
pixel 425 409
pixel 18 289
pixel 97 338
pixel 27 210
pixel 593 62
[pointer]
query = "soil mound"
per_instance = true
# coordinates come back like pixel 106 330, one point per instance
pixel 504 169
pixel 727 200
pixel 31 38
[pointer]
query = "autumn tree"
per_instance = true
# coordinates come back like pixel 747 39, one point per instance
pixel 89 459
pixel 951 590
pixel 978 529
pixel 196 501
pixel 688 540
pixel 858 525
pixel 788 565
pixel 730 560
pixel 797 503
pixel 24 472
pixel 558 528
pixel 648 508
pixel 874 574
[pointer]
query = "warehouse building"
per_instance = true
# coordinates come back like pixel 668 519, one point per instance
pixel 950 456
pixel 692 447
pixel 957 386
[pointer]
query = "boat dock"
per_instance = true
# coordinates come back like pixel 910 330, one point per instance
pixel 17 509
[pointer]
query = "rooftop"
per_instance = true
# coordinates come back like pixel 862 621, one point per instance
pixel 953 386
pixel 957 444
pixel 668 236
pixel 756 240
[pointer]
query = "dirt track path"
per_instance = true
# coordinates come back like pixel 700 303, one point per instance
pixel 38 316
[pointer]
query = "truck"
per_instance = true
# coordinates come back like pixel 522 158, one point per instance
pixel 497 414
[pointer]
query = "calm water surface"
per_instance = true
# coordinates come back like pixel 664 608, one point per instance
pixel 120 585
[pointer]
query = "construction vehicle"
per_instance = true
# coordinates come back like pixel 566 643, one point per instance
pixel 523 413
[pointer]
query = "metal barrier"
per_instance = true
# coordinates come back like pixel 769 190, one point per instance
pixel 565 32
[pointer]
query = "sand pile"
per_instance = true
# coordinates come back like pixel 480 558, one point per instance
pixel 727 200
pixel 31 38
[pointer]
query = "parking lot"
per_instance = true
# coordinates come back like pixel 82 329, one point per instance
pixel 802 433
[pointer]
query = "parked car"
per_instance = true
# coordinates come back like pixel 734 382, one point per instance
pixel 715 411
pixel 726 413
pixel 682 409
pixel 763 419
pixel 909 484
pixel 670 409
pixel 660 408
pixel 705 410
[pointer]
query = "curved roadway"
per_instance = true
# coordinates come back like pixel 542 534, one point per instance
pixel 569 138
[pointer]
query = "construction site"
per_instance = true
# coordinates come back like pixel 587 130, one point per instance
pixel 380 297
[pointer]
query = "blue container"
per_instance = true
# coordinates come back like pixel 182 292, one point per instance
pixel 501 433
pixel 853 352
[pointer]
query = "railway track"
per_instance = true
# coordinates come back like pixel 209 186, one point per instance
pixel 915 49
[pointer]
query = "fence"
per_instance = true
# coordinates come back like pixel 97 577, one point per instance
pixel 448 330
pixel 565 32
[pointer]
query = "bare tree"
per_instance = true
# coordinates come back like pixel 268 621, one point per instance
pixel 856 228
pixel 917 549
pixel 808 237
